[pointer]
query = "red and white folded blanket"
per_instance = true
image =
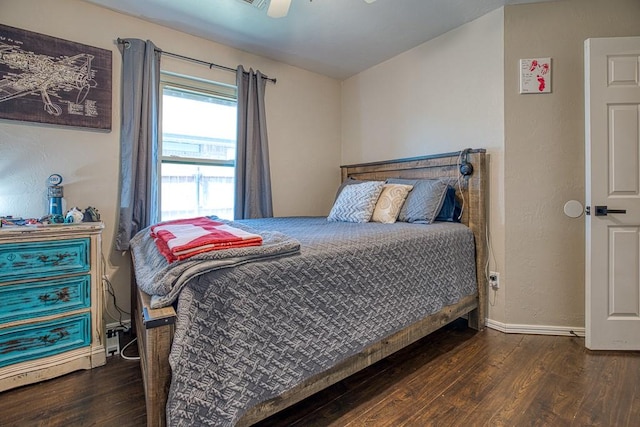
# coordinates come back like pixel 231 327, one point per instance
pixel 184 238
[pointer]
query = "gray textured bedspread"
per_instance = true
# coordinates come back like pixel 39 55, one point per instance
pixel 248 333
pixel 164 281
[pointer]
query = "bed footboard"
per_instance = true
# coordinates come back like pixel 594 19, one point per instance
pixel 364 359
pixel 154 330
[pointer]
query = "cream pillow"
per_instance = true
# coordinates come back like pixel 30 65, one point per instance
pixel 390 202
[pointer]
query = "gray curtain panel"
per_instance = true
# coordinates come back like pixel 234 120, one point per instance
pixel 138 139
pixel 253 177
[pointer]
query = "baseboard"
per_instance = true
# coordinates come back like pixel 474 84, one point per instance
pixel 535 329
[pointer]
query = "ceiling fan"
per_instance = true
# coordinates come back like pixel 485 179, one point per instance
pixel 280 8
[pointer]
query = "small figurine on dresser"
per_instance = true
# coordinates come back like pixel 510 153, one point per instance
pixel 91 215
pixel 73 215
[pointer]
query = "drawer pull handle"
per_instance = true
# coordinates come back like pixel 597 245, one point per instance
pixel 62 295
pixel 24 344
pixel 58 334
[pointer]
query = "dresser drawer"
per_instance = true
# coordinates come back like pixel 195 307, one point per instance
pixel 42 339
pixel 36 299
pixel 43 259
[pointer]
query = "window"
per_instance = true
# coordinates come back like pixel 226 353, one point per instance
pixel 198 148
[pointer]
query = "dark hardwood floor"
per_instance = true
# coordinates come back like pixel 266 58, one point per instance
pixel 454 377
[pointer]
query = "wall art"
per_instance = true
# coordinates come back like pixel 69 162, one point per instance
pixel 49 80
pixel 535 75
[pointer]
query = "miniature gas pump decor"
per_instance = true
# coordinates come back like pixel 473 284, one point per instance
pixel 55 194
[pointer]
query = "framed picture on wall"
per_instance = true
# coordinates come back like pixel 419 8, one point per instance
pixel 50 80
pixel 535 75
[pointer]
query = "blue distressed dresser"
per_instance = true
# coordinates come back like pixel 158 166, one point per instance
pixel 50 302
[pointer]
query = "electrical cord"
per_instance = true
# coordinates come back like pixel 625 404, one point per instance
pixel 109 289
pixel 486 267
pixel 488 239
pixel 487 235
pixel 490 250
pixel 488 242
pixel 460 186
pixel 127 346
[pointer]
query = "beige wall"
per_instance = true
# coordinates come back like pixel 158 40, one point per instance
pixel 461 90
pixel 303 115
pixel 544 156
pixel 444 95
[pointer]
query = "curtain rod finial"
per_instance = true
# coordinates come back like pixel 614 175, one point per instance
pixel 123 42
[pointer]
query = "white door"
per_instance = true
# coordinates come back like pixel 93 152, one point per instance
pixel 612 144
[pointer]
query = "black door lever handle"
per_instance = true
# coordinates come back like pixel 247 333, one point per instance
pixel 604 210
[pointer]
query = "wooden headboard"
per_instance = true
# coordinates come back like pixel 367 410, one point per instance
pixel 470 189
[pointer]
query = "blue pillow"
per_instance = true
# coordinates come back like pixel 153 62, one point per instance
pixel 451 208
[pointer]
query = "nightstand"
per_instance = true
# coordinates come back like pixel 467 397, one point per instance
pixel 50 301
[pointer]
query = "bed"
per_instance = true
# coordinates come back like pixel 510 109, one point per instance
pixel 351 331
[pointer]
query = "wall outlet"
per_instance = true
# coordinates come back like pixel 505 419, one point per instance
pixel 112 336
pixel 112 344
pixel 494 279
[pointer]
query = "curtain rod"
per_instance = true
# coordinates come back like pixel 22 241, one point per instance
pixel 197 61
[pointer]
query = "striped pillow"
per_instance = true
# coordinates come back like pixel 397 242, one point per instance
pixel 356 202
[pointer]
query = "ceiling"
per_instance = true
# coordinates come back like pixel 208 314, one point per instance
pixel 337 38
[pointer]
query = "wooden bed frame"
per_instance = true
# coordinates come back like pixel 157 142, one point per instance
pixel 155 327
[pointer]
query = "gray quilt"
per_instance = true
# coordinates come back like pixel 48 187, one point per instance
pixel 164 281
pixel 248 333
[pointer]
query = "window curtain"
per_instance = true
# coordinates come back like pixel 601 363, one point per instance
pixel 253 178
pixel 138 139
